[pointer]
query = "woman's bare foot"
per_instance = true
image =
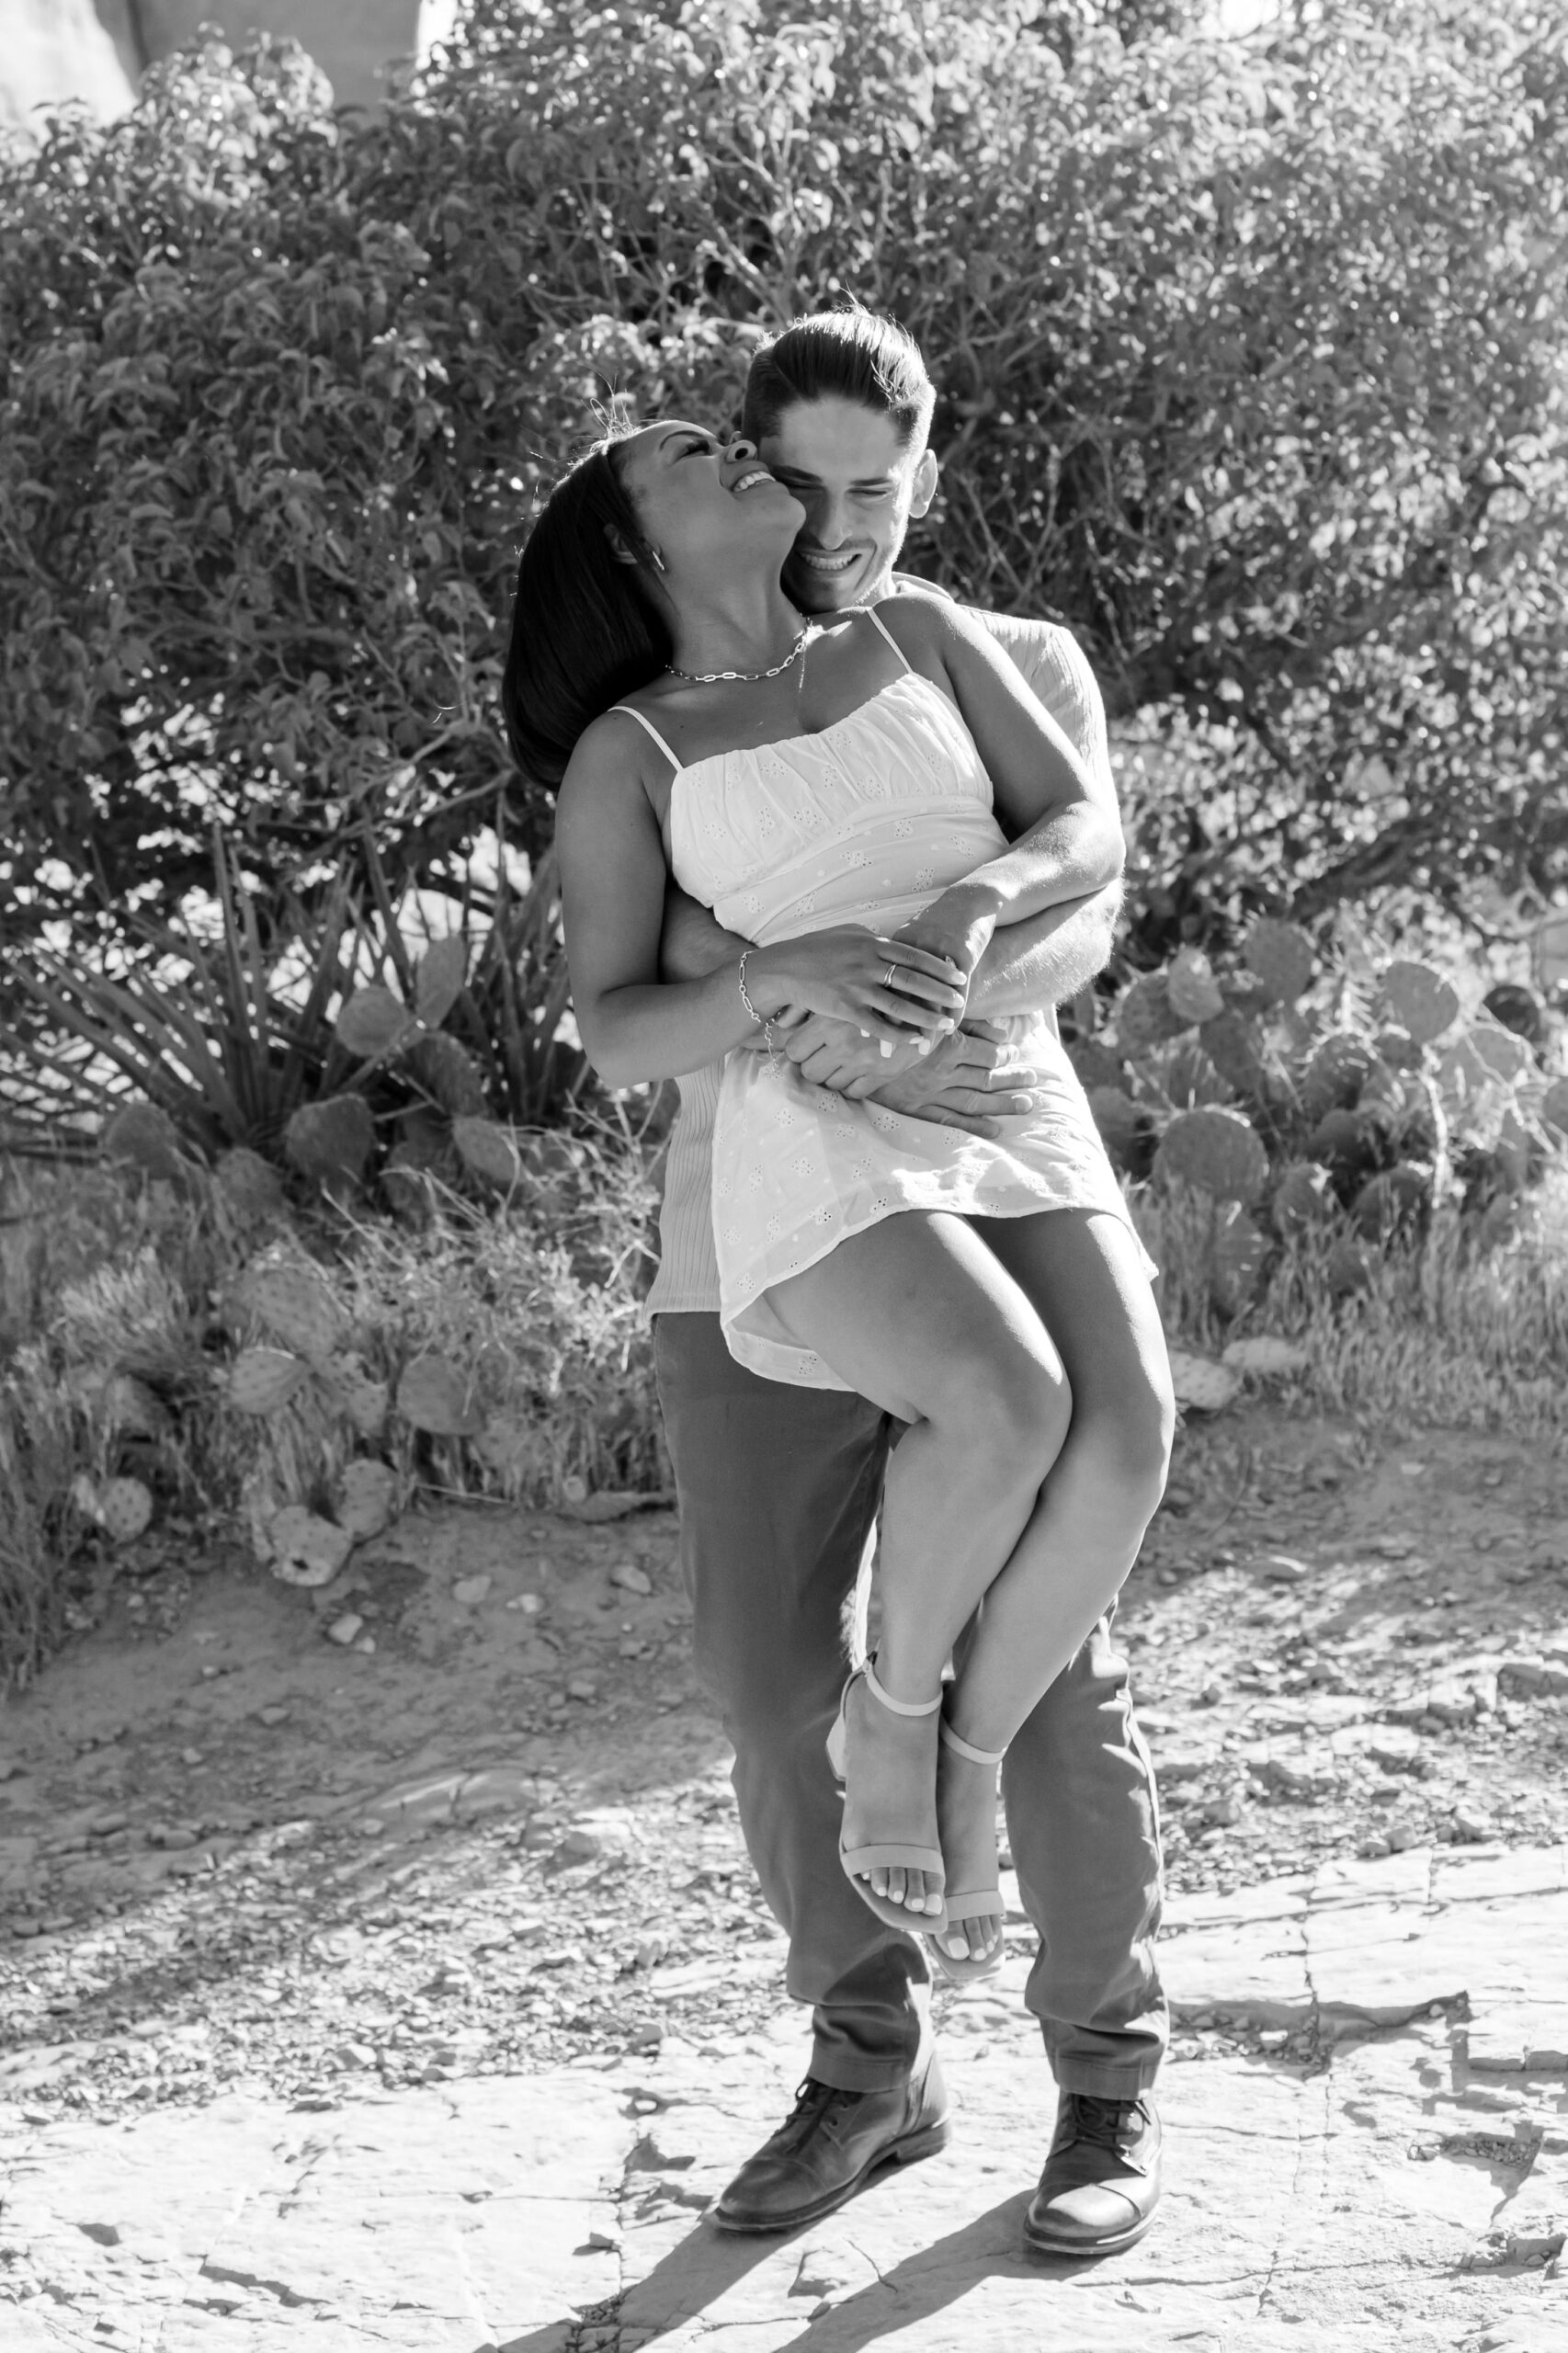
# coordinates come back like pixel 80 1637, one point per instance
pixel 890 1795
pixel 966 1818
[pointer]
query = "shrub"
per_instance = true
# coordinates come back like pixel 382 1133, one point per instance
pixel 1250 354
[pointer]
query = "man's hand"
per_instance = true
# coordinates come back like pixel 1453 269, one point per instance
pixel 974 1078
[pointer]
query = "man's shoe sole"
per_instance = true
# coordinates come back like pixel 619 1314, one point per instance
pixel 924 2142
pixel 1086 2251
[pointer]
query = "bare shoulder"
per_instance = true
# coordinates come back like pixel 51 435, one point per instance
pixel 928 626
pixel 612 755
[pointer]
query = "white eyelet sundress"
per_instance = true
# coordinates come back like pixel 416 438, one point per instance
pixel 865 823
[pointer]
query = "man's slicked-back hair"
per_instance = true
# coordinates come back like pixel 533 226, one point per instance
pixel 851 355
pixel 583 635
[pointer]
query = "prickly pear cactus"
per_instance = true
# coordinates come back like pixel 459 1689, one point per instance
pixel 306 1548
pixel 1420 1000
pixel 1280 955
pixel 1334 1077
pixel 332 1140
pixel 372 1024
pixel 1303 1201
pixel 125 1507
pixel 1145 1015
pixel 488 1150
pixel 297 1307
pixel 438 983
pixel 433 1395
pixel 1395 1201
pixel 1191 987
pixel 146 1135
pixel 262 1381
pixel 1200 1384
pixel 448 1074
pixel 1215 1150
pixel 250 1187
pixel 367 1499
pixel 1242 1251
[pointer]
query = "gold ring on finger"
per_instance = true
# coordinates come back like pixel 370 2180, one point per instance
pixel 887 976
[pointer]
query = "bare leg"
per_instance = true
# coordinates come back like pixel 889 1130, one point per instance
pixel 921 1318
pixel 1082 1271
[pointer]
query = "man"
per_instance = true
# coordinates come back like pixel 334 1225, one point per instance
pixel 778 1487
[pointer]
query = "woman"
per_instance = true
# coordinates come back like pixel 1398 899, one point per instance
pixel 830 792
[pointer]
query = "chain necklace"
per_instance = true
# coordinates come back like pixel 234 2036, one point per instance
pixel 741 678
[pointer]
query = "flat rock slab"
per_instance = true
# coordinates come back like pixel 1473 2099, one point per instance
pixel 1406 2192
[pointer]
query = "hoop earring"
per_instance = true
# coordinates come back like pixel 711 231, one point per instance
pixel 658 560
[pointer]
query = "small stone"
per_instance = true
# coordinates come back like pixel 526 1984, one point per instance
pixel 1471 1824
pixel 104 1824
pixel 599 2242
pixel 582 1686
pixel 470 1591
pixel 578 1846
pixel 343 1630
pixel 190 1756
pixel 631 1578
pixel 272 1717
pixel 530 1603
pixel 1401 1835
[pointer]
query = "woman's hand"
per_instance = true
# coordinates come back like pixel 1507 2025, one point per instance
pixel 956 928
pixel 896 991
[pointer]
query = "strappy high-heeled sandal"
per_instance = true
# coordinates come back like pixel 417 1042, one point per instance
pixel 860 1861
pixel 986 1904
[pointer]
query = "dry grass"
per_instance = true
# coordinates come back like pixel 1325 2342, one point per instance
pixel 116 1317
pixel 1445 1334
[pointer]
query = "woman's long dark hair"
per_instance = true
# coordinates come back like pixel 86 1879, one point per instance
pixel 583 635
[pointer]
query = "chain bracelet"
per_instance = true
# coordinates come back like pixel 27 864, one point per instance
pixel 746 993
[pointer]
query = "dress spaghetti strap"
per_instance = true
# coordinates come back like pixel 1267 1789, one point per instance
pixel 649 728
pixel 881 627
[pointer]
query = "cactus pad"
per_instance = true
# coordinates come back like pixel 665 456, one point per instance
pixel 367 1499
pixel 1240 1253
pixel 262 1381
pixel 1506 1056
pixel 332 1140
pixel 1200 1384
pixel 306 1548
pixel 1336 1074
pixel 448 1073
pixel 125 1507
pixel 1420 1000
pixel 249 1185
pixel 1145 1015
pixel 142 1133
pixel 1191 987
pixel 1281 955
pixel 1554 1105
pixel 433 1395
pixel 1096 1066
pixel 1266 1357
pixel 1119 1122
pixel 439 983
pixel 1350 1268
pixel 296 1307
pixel 371 1023
pixel 488 1150
pixel 1215 1150
pixel 1234 1046
pixel 1393 1202
pixel 1339 1139
pixel 363 1400
pixel 1301 1199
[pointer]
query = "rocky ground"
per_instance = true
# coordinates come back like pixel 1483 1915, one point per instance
pixel 464 1814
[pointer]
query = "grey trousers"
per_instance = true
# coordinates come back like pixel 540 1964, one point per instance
pixel 779 1488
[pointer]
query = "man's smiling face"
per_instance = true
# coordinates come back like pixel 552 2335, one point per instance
pixel 861 486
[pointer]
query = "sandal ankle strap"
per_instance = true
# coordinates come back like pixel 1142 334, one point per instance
pixel 975 1755
pixel 898 1706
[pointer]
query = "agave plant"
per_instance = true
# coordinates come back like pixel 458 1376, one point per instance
pixel 201 1031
